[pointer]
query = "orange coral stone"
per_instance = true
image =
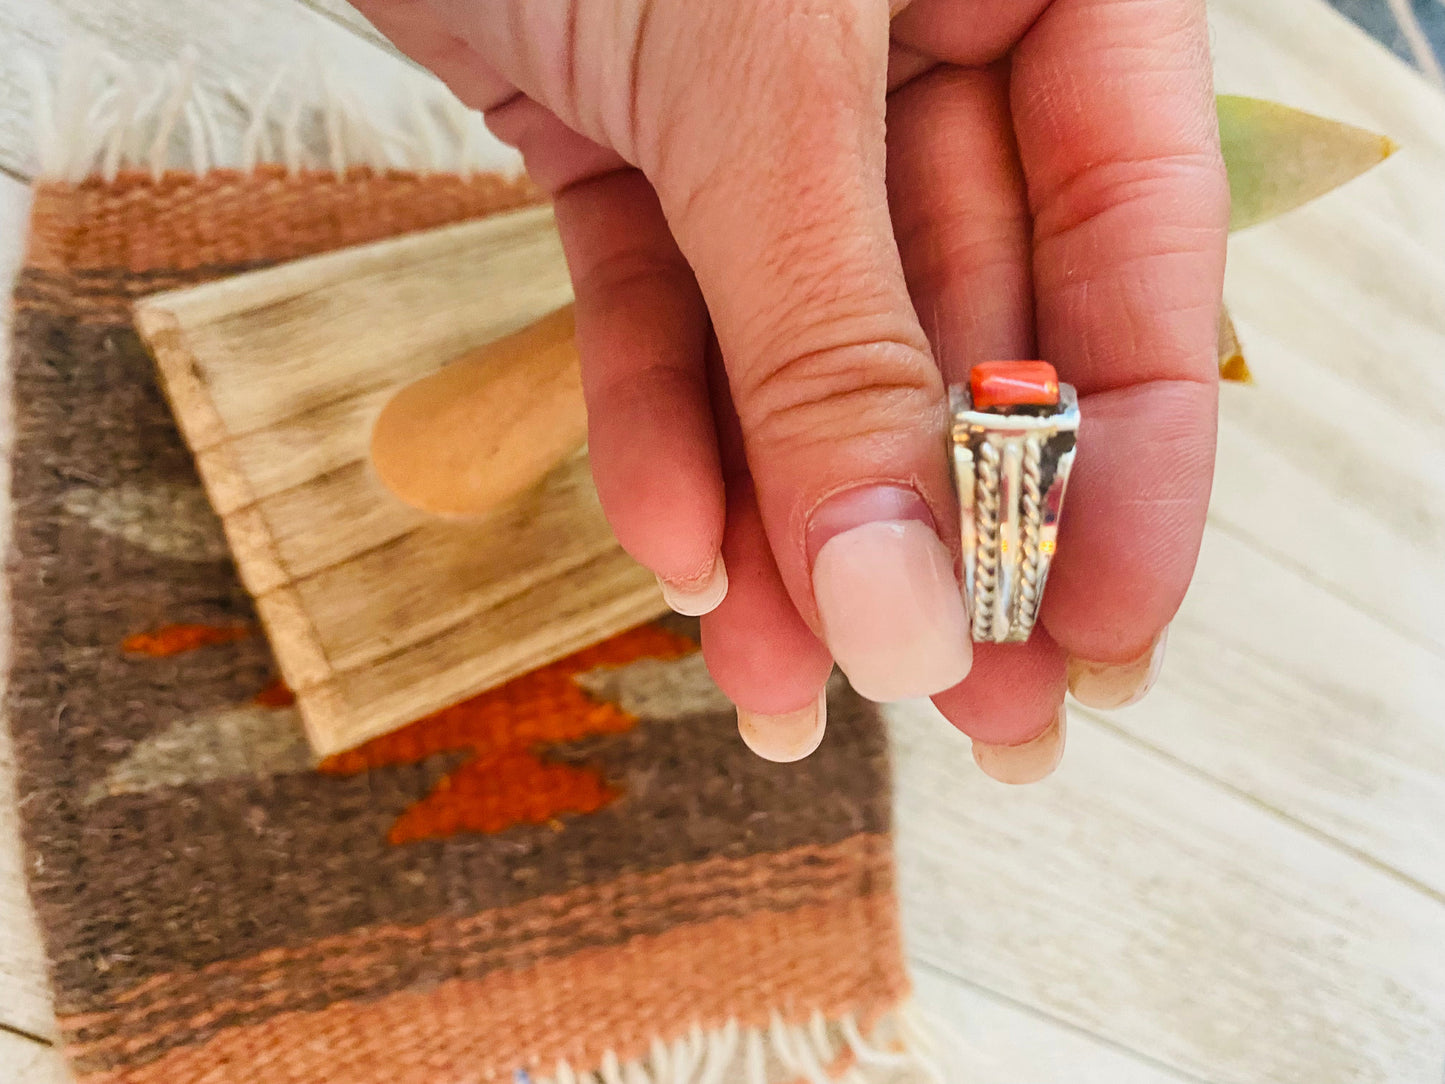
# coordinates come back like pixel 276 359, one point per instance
pixel 1001 384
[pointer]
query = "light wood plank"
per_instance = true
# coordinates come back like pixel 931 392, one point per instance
pixel 378 613
pixel 1307 472
pixel 237 42
pixel 986 1040
pixel 1143 904
pixel 252 331
pixel 474 560
pixel 1283 691
pixel 25 1062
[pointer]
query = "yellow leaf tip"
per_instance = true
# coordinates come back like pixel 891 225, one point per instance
pixel 1235 370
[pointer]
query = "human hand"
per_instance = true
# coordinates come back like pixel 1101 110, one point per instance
pixel 788 225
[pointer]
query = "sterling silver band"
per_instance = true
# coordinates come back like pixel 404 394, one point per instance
pixel 1010 470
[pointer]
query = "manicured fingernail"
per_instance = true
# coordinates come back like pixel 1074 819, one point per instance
pixel 784 739
pixel 891 608
pixel 1027 763
pixel 696 599
pixel 1116 685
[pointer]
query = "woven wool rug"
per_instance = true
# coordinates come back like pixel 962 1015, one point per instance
pixel 581 875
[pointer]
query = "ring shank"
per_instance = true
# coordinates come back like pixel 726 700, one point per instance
pixel 1011 471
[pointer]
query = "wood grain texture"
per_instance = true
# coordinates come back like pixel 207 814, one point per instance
pixel 380 613
pixel 1146 905
pixel 25 1062
pixel 1286 693
pixel 986 1039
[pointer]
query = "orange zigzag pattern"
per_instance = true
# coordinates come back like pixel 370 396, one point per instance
pixel 505 781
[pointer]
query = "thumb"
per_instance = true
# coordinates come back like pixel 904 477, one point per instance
pixel 760 124
pixel 766 148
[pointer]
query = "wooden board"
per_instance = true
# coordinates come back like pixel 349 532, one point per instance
pixel 987 1039
pixel 23 1061
pixel 380 614
pixel 1139 902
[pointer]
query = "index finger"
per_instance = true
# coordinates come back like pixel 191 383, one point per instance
pixel 1114 111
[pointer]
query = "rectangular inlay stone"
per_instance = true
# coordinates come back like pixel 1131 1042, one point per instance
pixel 997 385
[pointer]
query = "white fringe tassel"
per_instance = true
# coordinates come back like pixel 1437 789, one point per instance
pixel 903 1050
pixel 101 115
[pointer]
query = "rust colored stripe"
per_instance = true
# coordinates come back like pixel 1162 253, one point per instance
pixel 275 695
pixel 171 640
pixel 837 959
pixel 227 216
pixel 95 247
pixel 177 1008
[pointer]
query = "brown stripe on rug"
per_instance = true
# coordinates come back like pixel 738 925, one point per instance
pixel 736 970
pixel 181 1009
pixel 216 909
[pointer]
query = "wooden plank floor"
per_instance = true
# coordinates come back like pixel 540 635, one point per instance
pixel 1241 881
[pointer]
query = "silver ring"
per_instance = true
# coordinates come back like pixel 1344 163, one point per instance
pixel 1011 462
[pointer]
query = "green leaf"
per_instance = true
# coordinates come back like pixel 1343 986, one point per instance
pixel 1279 158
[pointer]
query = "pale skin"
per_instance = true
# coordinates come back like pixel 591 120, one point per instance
pixel 790 223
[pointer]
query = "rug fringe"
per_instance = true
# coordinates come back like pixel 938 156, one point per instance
pixel 100 115
pixel 902 1048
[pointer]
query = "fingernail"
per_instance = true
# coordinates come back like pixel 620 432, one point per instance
pixel 1027 763
pixel 1116 685
pixel 890 605
pixel 784 739
pixel 696 599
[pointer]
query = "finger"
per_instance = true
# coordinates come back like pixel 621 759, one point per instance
pixel 1115 119
pixel 641 328
pixel 758 650
pixel 1129 536
pixel 1013 693
pixel 771 171
pixel 956 188
pixel 556 157
pixel 967 33
pixel 905 64
pixel 767 153
pixel 961 215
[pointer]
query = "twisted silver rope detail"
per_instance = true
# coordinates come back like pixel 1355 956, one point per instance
pixel 1031 515
pixel 985 570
